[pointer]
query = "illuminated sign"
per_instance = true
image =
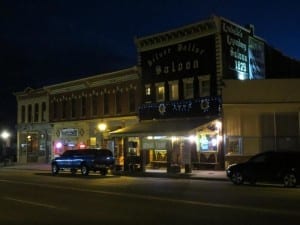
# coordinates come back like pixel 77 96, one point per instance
pixel 69 132
pixel 243 55
pixel 181 108
pixel 256 55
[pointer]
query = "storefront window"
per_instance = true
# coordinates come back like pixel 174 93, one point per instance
pixel 208 143
pixel 234 145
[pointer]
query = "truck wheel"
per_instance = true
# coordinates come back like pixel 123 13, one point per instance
pixel 84 170
pixel 73 171
pixel 54 169
pixel 103 172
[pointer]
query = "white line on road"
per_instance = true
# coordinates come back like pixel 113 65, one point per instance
pixel 32 203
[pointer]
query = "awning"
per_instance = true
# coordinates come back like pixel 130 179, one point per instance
pixel 163 127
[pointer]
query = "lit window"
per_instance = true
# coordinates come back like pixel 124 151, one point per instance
pixel 204 86
pixel 188 88
pixel 173 90
pixel 160 92
pixel 147 90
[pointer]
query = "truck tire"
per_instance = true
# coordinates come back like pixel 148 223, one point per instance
pixel 84 170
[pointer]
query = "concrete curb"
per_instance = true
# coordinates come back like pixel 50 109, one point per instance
pixel 196 175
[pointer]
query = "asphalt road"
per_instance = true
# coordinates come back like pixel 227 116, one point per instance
pixel 37 197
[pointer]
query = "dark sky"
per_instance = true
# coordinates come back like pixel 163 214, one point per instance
pixel 44 42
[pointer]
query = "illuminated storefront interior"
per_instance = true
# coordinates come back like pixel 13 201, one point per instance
pixel 163 145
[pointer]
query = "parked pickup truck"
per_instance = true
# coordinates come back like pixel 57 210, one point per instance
pixel 85 160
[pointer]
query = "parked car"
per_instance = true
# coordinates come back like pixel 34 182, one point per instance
pixel 85 160
pixel 271 166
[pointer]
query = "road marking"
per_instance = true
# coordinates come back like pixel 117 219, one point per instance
pixel 145 197
pixel 32 203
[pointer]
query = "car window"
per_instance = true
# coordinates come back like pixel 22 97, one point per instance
pixel 67 153
pixel 259 159
pixel 104 153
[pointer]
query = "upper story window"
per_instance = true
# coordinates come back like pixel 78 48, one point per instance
pixel 160 92
pixel 55 108
pixel 73 108
pixel 131 100
pixel 118 102
pixel 83 106
pixel 188 88
pixel 106 103
pixel 23 111
pixel 64 109
pixel 204 86
pixel 173 90
pixel 94 105
pixel 44 111
pixel 36 112
pixel 29 114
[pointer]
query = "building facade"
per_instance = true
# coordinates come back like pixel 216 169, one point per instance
pixel 77 114
pixel 184 76
pixel 260 115
pixel 33 129
pixel 202 96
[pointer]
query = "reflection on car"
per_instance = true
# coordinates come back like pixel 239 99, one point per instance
pixel 271 166
pixel 85 160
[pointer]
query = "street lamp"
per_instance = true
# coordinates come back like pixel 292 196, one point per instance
pixel 5 135
pixel 102 127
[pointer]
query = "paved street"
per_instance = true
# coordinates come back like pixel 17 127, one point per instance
pixel 37 197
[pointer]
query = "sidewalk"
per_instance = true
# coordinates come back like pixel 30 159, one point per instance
pixel 196 174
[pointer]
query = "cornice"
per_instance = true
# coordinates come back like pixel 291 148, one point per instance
pixel 94 81
pixel 200 29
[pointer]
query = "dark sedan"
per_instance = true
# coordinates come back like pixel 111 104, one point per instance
pixel 271 166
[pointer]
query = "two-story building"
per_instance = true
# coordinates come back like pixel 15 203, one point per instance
pixel 34 131
pixel 77 114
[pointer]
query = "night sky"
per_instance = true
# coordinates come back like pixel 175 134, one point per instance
pixel 44 42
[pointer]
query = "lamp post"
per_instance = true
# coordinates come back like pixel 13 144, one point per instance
pixel 102 127
pixel 5 136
